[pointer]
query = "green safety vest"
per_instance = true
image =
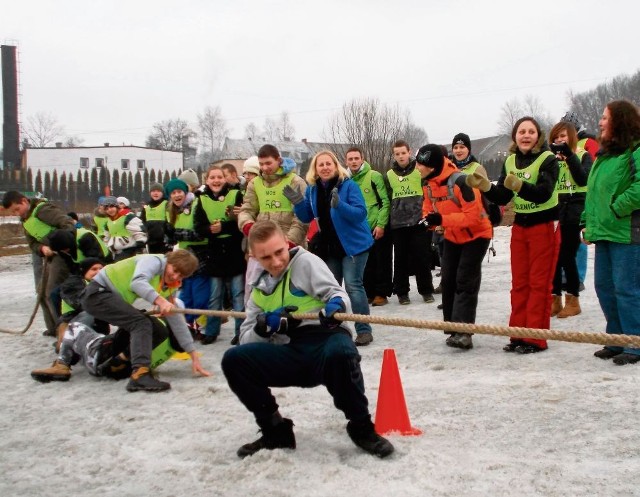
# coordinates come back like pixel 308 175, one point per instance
pixel 157 213
pixel 121 274
pixel 405 186
pixel 530 175
pixel 118 227
pixel 271 198
pixel 582 143
pixel 216 210
pixel 36 228
pixel 80 232
pixel 184 221
pixel 471 168
pixel 101 224
pixel 282 297
pixel 566 183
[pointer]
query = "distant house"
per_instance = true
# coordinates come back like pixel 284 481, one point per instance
pixel 124 159
pixel 491 152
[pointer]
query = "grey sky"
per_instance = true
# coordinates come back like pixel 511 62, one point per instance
pixel 108 70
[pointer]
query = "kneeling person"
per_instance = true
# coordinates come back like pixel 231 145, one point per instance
pixel 108 355
pixel 318 352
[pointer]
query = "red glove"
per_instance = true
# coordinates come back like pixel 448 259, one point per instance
pixel 246 228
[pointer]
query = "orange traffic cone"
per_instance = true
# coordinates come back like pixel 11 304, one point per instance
pixel 391 411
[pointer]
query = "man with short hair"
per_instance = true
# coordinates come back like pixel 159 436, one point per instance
pixel 411 242
pixel 318 352
pixel 154 278
pixel 378 272
pixel 231 177
pixel 40 219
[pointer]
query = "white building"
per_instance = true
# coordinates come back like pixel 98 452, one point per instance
pixel 122 158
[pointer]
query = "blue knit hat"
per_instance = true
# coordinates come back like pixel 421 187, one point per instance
pixel 175 184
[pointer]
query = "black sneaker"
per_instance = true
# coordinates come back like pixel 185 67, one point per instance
pixel 626 358
pixel 280 436
pixel 606 353
pixel 364 435
pixel 235 340
pixel 438 290
pixel 142 379
pixel 404 299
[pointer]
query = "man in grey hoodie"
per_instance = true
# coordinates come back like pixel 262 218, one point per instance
pixel 278 350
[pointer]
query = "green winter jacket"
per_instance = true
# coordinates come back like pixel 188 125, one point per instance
pixel 612 207
pixel 375 195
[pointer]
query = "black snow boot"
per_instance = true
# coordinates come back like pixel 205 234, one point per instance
pixel 280 436
pixel 364 435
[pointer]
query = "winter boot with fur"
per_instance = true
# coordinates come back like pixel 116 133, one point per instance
pixel 58 371
pixel 571 308
pixel 364 435
pixel 556 305
pixel 274 436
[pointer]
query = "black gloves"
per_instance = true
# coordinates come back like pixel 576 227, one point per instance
pixel 336 304
pixel 431 220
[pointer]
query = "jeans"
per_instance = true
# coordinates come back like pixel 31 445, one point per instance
pixel 617 282
pixel 235 286
pixel 352 270
pixel 195 293
pixel 581 261
pixel 311 359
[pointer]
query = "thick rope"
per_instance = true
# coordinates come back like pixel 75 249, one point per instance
pixel 484 329
pixel 40 295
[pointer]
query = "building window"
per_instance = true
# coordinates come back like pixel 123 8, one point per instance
pixel 141 164
pixel 84 162
pixel 124 164
pixel 99 162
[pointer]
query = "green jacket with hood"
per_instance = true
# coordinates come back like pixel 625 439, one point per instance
pixel 370 183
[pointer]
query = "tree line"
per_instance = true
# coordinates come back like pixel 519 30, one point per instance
pixel 80 190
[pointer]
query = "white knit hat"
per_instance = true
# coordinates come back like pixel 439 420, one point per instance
pixel 252 165
pixel 190 177
pixel 124 201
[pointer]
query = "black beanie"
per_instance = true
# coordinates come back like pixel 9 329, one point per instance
pixel 431 156
pixel 88 263
pixel 462 139
pixel 61 240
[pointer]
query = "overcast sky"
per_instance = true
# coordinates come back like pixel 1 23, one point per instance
pixel 108 70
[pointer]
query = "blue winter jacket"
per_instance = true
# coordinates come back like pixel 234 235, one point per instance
pixel 349 218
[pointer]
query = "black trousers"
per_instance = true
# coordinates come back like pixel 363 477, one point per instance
pixel 569 243
pixel 411 255
pixel 378 273
pixel 461 276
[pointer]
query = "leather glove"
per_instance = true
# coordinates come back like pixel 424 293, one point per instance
pixel 294 196
pixel 335 200
pixel 431 220
pixel 278 321
pixel 512 182
pixel 479 180
pixel 336 304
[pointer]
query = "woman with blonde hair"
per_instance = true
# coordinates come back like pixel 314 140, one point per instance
pixel 343 239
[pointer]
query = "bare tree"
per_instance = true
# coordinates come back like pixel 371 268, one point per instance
pixel 42 129
pixel 213 129
pixel 252 131
pixel 171 134
pixel 370 125
pixel 280 129
pixel 510 113
pixel 73 141
pixel 413 134
pixel 270 130
pixel 589 105
pixel 286 130
pixel 515 109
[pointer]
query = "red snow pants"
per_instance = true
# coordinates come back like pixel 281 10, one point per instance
pixel 534 254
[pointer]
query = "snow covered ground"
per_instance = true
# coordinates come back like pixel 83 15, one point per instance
pixel 557 423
